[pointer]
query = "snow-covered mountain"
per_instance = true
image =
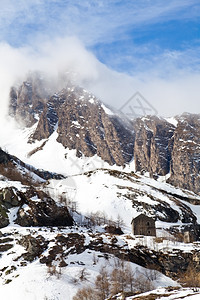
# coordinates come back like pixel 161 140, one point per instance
pixel 74 175
pixel 82 122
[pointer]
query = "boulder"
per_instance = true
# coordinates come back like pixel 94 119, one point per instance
pixel 42 212
pixel 34 246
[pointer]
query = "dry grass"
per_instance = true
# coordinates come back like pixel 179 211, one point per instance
pixel 11 172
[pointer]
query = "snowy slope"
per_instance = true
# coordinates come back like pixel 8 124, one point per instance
pixel 101 190
pixel 33 281
pixel 95 187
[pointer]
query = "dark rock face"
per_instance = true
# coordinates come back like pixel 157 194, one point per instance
pixel 4 157
pixel 153 145
pixel 35 208
pixel 28 100
pixel 34 246
pixel 79 118
pixel 162 210
pixel 42 212
pixel 160 148
pixel 185 163
pixel 9 197
pixel 168 263
pixel 71 243
pixel 83 124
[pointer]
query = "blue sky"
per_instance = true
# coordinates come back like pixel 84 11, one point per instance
pixel 140 38
pixel 124 35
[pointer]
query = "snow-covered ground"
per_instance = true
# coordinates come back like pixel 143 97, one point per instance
pixel 94 188
pixel 166 294
pixel 33 281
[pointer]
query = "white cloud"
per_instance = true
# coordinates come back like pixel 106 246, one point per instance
pixel 54 58
pixel 94 21
pixel 174 95
pixel 170 95
pixel 169 79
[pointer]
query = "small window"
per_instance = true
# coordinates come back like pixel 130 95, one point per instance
pixel 149 231
pixel 148 223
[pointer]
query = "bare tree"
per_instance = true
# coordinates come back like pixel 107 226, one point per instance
pixel 83 274
pixel 115 289
pixel 119 222
pixel 130 277
pixel 191 277
pixel 143 284
pixel 86 293
pixel 52 270
pixel 102 285
pixel 150 273
pixel 119 277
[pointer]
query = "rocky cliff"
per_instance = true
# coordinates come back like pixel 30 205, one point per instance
pixel 83 123
pixel 27 100
pixel 153 145
pixel 185 162
pixel 33 208
pixel 161 148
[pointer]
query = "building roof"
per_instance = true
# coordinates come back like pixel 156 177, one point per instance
pixel 142 216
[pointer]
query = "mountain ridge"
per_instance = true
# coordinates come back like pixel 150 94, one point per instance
pixel 102 171
pixel 85 125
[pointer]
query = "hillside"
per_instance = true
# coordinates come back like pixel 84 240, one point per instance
pixel 73 176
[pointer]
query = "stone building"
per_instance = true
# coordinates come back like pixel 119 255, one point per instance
pixel 188 237
pixel 143 225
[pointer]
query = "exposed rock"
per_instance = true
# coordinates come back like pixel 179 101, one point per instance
pixel 172 210
pixel 83 124
pixel 16 170
pixel 113 229
pixel 153 145
pixel 35 208
pixel 9 197
pixel 41 210
pixel 5 240
pixel 160 148
pixel 4 157
pixel 185 162
pixel 4 220
pixel 27 100
pixel 34 246
pixel 5 247
pixel 72 243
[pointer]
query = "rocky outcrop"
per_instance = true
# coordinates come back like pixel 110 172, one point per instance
pixel 4 157
pixel 83 124
pixel 171 212
pixel 185 162
pixel 168 263
pixel 162 148
pixel 34 246
pixel 34 208
pixel 153 145
pixel 8 198
pixel 81 120
pixel 27 100
pixel 14 169
pixel 41 210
